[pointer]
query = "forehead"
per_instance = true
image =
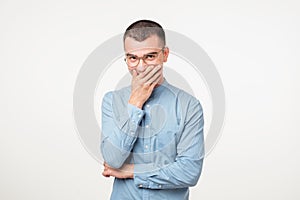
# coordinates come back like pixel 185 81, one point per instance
pixel 151 43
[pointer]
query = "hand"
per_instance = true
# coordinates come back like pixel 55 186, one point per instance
pixel 143 84
pixel 126 171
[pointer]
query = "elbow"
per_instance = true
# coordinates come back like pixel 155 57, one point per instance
pixel 112 155
pixel 113 163
pixel 194 175
pixel 194 180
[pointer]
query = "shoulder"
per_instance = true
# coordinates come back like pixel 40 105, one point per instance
pixel 119 94
pixel 117 99
pixel 182 96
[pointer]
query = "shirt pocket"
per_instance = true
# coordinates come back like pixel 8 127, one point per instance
pixel 166 145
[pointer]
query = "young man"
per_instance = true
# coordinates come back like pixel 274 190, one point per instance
pixel 152 132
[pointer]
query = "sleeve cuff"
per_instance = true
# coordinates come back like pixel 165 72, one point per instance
pixel 141 174
pixel 135 114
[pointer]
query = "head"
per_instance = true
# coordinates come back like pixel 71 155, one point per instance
pixel 144 39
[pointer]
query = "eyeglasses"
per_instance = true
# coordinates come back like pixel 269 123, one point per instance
pixel 149 58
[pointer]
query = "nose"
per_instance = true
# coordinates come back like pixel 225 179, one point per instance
pixel 141 66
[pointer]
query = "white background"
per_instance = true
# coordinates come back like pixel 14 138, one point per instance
pixel 255 46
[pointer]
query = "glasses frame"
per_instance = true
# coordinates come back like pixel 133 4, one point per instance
pixel 142 57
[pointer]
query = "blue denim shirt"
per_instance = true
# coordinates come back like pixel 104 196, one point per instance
pixel 164 140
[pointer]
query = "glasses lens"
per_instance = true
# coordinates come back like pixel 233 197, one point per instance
pixel 132 60
pixel 149 59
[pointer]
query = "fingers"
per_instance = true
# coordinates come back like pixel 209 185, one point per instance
pixel 146 72
pixel 150 74
pixel 145 78
pixel 106 172
pixel 143 84
pixel 155 76
pixel 111 172
pixel 150 70
pixel 105 166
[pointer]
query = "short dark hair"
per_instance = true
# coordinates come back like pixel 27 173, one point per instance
pixel 142 29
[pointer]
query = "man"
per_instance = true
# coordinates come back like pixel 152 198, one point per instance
pixel 152 132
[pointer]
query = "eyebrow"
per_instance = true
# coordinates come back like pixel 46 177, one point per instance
pixel 129 54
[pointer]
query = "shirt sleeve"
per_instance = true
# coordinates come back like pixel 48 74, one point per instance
pixel 186 169
pixel 118 137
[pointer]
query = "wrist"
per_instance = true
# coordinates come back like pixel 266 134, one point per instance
pixel 131 174
pixel 136 103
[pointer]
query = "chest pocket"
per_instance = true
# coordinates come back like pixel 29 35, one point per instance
pixel 166 145
pixel 165 131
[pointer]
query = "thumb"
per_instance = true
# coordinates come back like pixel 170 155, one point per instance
pixel 134 73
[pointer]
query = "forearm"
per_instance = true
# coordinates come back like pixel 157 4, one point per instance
pixel 126 171
pixel 179 174
pixel 119 131
pixel 116 154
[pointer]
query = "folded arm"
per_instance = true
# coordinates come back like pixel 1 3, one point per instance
pixel 186 169
pixel 118 137
pixel 183 172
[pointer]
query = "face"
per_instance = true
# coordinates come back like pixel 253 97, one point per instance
pixel 150 50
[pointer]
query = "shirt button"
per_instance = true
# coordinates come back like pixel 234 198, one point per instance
pixel 140 185
pixel 147 105
pixel 140 115
pixel 147 126
pixel 159 186
pixel 132 132
pixel 146 147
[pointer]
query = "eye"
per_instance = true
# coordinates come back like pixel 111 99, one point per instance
pixel 151 56
pixel 132 58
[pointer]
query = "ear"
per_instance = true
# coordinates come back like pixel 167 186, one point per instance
pixel 166 54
